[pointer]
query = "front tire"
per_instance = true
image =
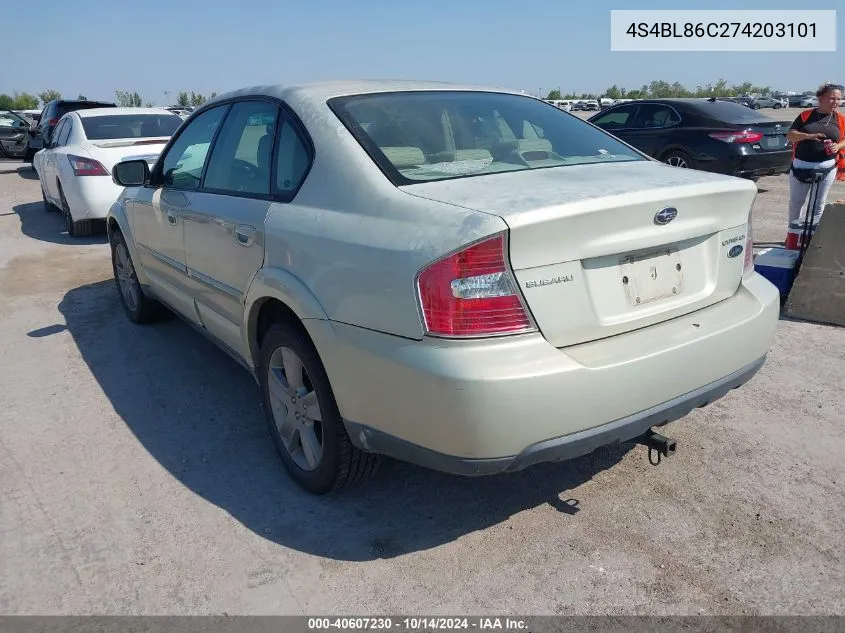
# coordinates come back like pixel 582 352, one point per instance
pixel 135 303
pixel 303 417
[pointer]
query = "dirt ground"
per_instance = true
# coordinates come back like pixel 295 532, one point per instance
pixel 137 478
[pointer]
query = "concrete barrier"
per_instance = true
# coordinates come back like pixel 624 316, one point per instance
pixel 818 293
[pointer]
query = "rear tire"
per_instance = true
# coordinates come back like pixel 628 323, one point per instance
pixel 137 306
pixel 677 158
pixel 81 228
pixel 48 206
pixel 317 453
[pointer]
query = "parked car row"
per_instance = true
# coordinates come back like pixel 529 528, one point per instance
pixel 468 279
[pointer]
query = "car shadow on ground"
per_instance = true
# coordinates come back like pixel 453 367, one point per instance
pixel 26 172
pixel 197 413
pixel 49 226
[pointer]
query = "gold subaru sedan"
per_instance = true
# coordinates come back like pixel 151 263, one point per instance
pixel 465 278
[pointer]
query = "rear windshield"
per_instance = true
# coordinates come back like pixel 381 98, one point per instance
pixel 730 112
pixel 99 128
pixel 437 135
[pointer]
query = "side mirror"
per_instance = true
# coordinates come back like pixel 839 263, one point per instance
pixel 36 144
pixel 131 173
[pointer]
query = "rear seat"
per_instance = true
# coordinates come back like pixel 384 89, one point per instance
pixel 473 154
pixel 534 145
pixel 404 157
pixel 531 142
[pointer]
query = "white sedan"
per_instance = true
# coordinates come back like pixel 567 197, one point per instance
pixel 75 166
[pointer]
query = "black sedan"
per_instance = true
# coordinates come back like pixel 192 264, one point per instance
pixel 706 134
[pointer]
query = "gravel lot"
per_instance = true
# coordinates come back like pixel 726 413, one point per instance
pixel 137 478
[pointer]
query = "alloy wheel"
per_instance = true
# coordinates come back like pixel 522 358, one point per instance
pixel 295 408
pixel 677 161
pixel 126 277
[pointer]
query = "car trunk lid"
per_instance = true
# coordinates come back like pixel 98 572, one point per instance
pixel 592 252
pixel 112 151
pixel 763 136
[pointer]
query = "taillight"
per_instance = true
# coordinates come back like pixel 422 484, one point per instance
pixel 472 292
pixel 743 136
pixel 52 122
pixel 86 166
pixel 749 249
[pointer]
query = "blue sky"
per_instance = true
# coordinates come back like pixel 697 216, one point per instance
pixel 94 47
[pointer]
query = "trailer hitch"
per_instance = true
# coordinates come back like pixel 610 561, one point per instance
pixel 658 444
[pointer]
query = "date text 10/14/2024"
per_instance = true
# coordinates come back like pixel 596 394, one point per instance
pixel 417 624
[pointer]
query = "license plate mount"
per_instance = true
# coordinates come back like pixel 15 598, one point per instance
pixel 652 276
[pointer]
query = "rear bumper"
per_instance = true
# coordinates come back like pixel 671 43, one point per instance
pixel 559 448
pixel 742 162
pixel 759 165
pixel 479 407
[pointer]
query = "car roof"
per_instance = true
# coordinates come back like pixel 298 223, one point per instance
pixel 321 91
pixel 81 101
pixel 120 111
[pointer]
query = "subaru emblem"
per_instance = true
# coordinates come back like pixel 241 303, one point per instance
pixel 664 216
pixel 735 251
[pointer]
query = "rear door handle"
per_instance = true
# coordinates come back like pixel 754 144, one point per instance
pixel 245 234
pixel 172 217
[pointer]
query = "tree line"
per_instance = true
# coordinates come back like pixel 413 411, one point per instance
pixel 664 89
pixel 27 101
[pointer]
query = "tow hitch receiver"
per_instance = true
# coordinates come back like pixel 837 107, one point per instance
pixel 658 444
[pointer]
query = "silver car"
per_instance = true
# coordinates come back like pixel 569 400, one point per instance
pixel 465 278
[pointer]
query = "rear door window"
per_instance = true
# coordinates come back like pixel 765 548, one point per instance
pixel 655 116
pixel 241 159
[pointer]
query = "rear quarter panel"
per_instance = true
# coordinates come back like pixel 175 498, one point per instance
pixel 355 241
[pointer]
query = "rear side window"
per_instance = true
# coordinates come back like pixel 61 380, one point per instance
pixel 57 131
pixel 293 160
pixel 98 128
pixel 67 126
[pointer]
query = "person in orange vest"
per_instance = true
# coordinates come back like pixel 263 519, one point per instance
pixel 818 143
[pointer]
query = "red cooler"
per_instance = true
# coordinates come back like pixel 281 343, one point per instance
pixel 793 235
